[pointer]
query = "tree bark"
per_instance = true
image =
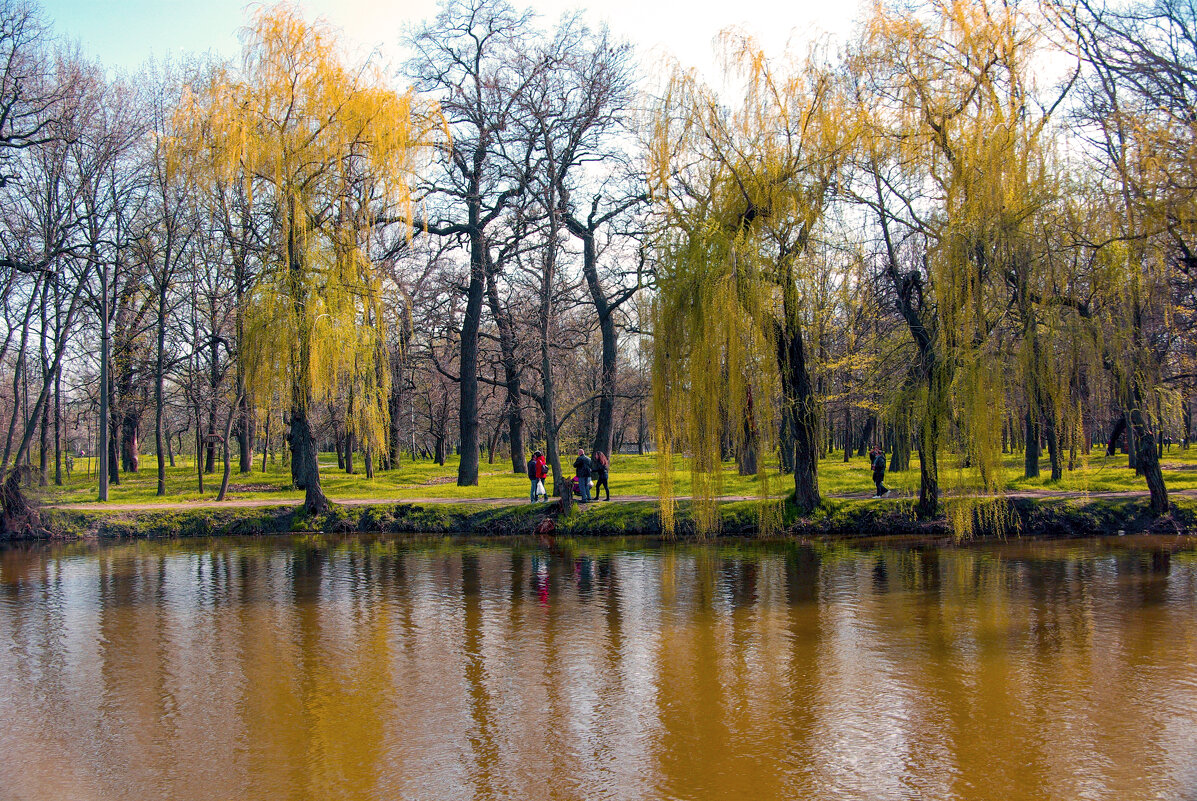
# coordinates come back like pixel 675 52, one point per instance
pixel 266 440
pixel 800 406
pixel 866 434
pixel 467 468
pixel 1053 443
pixel 511 373
pixel 159 378
pixel 899 461
pixel 1147 458
pixel 1030 461
pixel 245 433
pixel 746 455
pixel 847 433
pixel 602 306
pixel 908 290
pixel 1115 434
pixel 58 426
pixel 43 476
pixel 234 410
pixel 304 460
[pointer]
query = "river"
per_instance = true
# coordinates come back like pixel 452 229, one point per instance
pixel 359 668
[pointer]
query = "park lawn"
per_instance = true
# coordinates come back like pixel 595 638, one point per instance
pixel 630 475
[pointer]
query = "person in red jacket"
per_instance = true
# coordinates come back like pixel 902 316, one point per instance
pixel 537 473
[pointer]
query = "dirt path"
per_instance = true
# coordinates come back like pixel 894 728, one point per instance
pixel 243 503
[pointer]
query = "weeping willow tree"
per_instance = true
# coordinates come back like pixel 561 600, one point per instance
pixel 1137 105
pixel 326 149
pixel 741 193
pixel 953 163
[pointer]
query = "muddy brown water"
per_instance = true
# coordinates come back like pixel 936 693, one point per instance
pixel 324 668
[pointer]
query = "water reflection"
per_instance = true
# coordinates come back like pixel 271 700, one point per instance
pixel 353 668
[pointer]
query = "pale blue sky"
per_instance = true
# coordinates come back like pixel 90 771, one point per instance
pixel 124 33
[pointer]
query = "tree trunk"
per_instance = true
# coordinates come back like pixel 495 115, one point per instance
pixel 1031 455
pixel 1186 415
pixel 304 457
pixel 847 433
pixel 266 441
pixel 130 441
pixel 199 454
pixel 159 378
pixel 245 432
pixel 899 461
pixel 746 456
pixel 866 434
pixel 513 404
pixel 1132 451
pixel 786 440
pixel 395 406
pixel 1115 434
pixel 1053 443
pixel 58 426
pixel 1147 461
pixel 114 476
pixel 608 371
pixel 213 382
pixel 105 351
pixel 305 461
pixel 467 422
pixel 800 406
pixel 43 475
pixel 907 289
pixel 234 413
pixel 928 506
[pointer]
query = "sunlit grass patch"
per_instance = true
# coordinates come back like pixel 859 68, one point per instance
pixel 631 475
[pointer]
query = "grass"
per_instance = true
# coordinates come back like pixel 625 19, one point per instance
pixel 630 475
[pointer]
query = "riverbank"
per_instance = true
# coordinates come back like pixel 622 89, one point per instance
pixel 837 518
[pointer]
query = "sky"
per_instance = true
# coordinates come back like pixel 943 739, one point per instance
pixel 123 34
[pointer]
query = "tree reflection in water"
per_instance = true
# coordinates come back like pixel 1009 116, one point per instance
pixel 356 668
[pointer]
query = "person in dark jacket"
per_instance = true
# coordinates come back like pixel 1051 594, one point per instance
pixel 601 466
pixel 877 457
pixel 583 468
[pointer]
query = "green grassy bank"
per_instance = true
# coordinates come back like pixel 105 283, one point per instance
pixel 630 475
pixel 1021 517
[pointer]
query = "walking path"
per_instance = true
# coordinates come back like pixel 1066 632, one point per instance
pixel 243 503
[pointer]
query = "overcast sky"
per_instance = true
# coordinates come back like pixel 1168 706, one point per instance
pixel 124 33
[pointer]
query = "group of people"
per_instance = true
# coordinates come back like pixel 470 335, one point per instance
pixel 585 469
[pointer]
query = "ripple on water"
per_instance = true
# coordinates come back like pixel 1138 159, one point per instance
pixel 279 668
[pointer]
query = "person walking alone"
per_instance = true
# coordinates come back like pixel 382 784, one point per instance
pixel 537 473
pixel 583 468
pixel 877 457
pixel 602 465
